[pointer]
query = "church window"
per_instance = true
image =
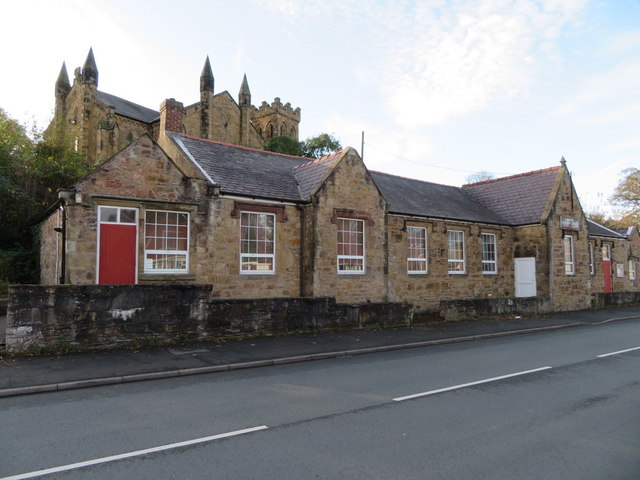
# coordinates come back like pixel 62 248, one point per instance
pixel 130 137
pixel 282 130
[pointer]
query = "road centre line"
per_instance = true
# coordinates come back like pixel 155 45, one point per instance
pixel 470 384
pixel 137 453
pixel 618 352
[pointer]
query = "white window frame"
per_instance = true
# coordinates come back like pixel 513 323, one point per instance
pixel 632 269
pixel 343 260
pixel 620 270
pixel 489 263
pixel 569 255
pixel 245 256
pixel 592 259
pixel 148 268
pixel 456 261
pixel 420 261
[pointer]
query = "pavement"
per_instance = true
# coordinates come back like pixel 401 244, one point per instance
pixel 36 374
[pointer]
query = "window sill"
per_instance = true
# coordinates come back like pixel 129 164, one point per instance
pixel 167 277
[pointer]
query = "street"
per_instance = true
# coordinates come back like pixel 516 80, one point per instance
pixel 551 405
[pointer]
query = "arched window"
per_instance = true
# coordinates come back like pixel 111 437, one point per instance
pixel 270 129
pixel 130 137
pixel 282 130
pixel 292 134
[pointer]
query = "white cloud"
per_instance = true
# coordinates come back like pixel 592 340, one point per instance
pixel 605 98
pixel 439 60
pixel 633 143
pixel 468 57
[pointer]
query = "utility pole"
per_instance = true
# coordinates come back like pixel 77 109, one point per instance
pixel 362 147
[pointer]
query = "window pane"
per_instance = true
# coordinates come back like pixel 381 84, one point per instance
pixel 127 215
pixel 257 237
pixel 108 214
pixel 350 245
pixel 166 243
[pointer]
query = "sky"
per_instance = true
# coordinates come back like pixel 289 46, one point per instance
pixel 442 89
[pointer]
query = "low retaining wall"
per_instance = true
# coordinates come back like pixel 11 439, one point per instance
pixel 615 299
pixel 452 310
pixel 108 316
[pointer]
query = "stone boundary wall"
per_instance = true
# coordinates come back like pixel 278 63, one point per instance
pixel 615 299
pixel 55 317
pixel 454 310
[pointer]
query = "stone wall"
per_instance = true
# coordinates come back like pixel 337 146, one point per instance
pixel 111 316
pixel 427 290
pixel 615 299
pixel 349 192
pixel 455 310
pixel 219 257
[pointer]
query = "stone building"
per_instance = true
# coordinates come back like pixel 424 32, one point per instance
pixel 99 124
pixel 255 224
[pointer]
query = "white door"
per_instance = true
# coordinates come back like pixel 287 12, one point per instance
pixel 525 273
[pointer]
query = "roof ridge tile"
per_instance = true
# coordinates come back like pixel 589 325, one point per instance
pixel 510 177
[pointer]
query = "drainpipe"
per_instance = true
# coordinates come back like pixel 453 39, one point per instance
pixel 63 231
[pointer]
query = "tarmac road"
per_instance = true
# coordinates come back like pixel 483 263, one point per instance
pixel 560 405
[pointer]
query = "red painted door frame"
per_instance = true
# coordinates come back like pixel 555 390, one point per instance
pixel 607 275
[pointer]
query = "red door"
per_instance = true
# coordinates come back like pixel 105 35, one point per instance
pixel 607 274
pixel 117 262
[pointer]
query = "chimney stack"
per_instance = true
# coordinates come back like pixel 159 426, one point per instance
pixel 171 115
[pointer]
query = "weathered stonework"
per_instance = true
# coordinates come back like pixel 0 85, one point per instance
pixel 99 125
pixel 349 192
pixel 165 177
pixel 109 316
pixel 427 290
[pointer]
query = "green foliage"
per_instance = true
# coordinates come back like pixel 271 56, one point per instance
pixel 321 145
pixel 32 169
pixel 313 147
pixel 286 145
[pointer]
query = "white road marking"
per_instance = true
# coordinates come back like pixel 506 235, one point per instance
pixel 464 385
pixel 137 453
pixel 618 352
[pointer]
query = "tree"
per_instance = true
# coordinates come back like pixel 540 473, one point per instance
pixel 32 169
pixel 286 145
pixel 480 176
pixel 627 193
pixel 312 147
pixel 321 145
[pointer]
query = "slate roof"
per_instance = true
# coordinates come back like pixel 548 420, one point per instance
pixel 129 109
pixel 516 200
pixel 313 173
pixel 416 197
pixel 598 230
pixel 519 199
pixel 244 171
